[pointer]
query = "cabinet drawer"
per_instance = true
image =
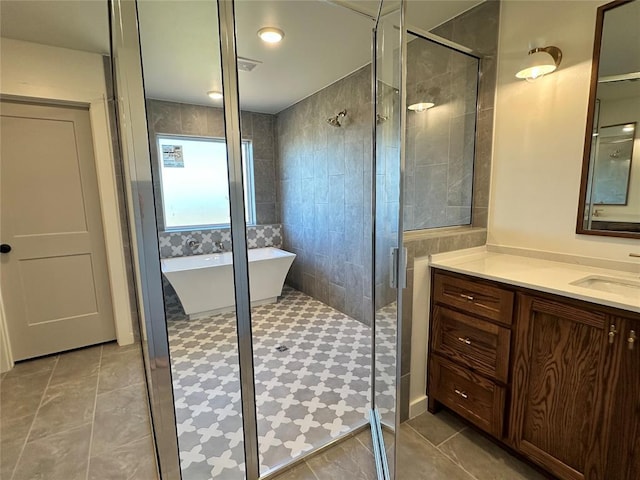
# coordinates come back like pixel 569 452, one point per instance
pixel 474 397
pixel 475 343
pixel 477 298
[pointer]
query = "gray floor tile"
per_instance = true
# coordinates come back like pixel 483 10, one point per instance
pixel 65 406
pixel 419 460
pixel 135 461
pixel 9 454
pixel 112 348
pixel 437 428
pixel 75 364
pixel 29 367
pixel 21 396
pixel 15 429
pixel 63 456
pixel 121 417
pixel 299 472
pixel 349 460
pixel 119 370
pixel 485 460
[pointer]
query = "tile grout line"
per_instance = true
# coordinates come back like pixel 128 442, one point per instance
pixel 26 439
pixel 450 437
pixel 93 417
pixel 456 463
pixel 312 470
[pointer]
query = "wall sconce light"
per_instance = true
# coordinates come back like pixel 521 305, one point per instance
pixel 541 61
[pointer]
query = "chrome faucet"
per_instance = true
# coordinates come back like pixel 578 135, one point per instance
pixel 193 243
pixel 219 246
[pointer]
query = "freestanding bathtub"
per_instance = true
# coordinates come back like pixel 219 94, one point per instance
pixel 204 283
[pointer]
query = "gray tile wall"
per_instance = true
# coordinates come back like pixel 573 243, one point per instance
pixel 324 195
pixel 183 119
pixel 478 30
pixel 439 141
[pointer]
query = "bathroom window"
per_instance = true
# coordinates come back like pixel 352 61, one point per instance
pixel 194 180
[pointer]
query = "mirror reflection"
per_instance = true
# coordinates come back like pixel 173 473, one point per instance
pixel 612 165
pixel 612 191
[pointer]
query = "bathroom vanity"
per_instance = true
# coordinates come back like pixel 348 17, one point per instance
pixel 542 355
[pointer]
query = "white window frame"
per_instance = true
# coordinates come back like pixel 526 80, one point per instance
pixel 249 182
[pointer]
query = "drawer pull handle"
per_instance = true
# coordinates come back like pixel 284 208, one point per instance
pixel 467 297
pixel 462 394
pixel 632 339
pixel 612 333
pixel 465 340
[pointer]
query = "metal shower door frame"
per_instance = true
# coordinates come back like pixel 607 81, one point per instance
pixel 399 270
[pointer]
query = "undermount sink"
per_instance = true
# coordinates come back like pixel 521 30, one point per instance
pixel 618 286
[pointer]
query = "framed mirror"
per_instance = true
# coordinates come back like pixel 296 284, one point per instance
pixel 609 201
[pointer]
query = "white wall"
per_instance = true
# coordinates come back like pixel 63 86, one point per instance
pixel 30 70
pixel 539 132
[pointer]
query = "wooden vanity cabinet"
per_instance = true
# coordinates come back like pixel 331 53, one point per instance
pixel 559 381
pixel 560 362
pixel 469 350
pixel 615 447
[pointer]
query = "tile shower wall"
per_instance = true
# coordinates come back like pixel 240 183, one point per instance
pixel 324 198
pixel 439 141
pixel 196 120
pixel 478 29
pixel 440 165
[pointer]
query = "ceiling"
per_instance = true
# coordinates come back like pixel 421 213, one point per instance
pixel 323 41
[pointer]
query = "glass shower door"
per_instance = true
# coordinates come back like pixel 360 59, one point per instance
pixel 389 260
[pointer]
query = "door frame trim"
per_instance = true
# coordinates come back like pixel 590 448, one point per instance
pixel 108 195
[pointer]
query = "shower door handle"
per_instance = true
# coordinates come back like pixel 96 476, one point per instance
pixel 398 267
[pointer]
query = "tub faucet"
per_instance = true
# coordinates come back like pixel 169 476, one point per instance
pixel 219 246
pixel 193 243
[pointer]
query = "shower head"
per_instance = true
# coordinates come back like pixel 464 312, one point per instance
pixel 336 121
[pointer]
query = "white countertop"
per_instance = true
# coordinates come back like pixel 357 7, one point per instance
pixel 540 274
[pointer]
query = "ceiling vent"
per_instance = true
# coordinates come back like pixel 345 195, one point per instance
pixel 246 64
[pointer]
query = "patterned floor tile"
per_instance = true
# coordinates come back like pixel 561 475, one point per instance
pixel 312 382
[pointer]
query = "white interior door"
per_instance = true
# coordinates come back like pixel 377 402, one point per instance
pixel 54 280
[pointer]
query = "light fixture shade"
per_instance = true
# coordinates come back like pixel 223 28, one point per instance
pixel 421 107
pixel 540 61
pixel 215 95
pixel 271 34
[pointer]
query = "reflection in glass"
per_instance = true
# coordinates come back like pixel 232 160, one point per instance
pixel 612 165
pixel 312 347
pixel 611 200
pixel 440 140
pixel 190 180
pixel 388 230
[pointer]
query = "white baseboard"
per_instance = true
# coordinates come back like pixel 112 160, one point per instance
pixel 418 406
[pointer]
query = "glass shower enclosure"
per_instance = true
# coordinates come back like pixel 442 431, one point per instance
pixel 207 376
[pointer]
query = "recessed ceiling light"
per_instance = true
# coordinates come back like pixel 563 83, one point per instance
pixel 271 34
pixel 215 95
pixel 421 107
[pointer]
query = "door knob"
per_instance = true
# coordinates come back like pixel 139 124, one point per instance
pixel 5 248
